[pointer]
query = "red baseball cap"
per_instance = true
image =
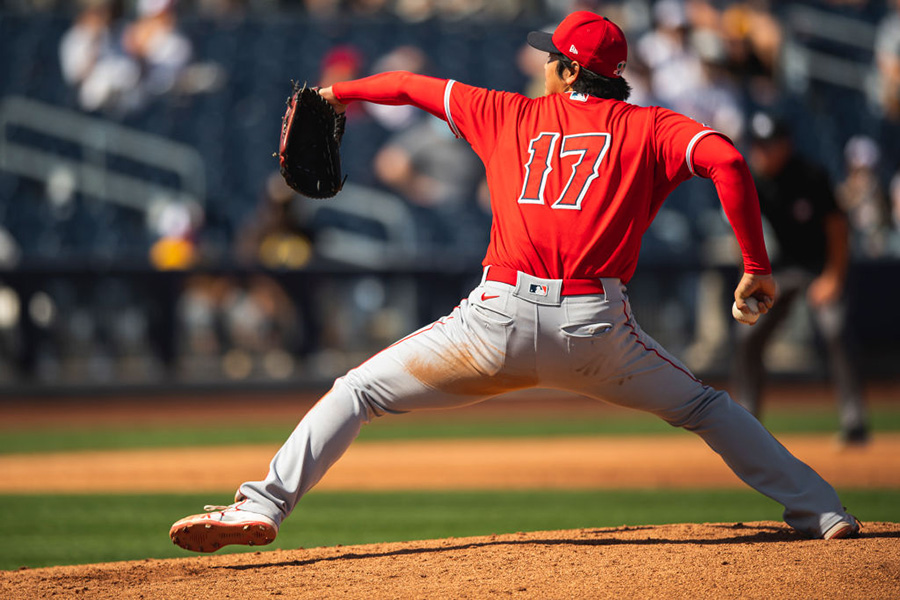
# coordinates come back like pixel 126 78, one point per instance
pixel 595 42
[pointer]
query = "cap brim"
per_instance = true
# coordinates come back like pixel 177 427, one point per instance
pixel 542 41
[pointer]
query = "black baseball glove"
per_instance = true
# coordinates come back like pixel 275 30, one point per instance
pixel 309 153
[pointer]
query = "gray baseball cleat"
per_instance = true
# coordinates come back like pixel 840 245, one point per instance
pixel 843 529
pixel 221 526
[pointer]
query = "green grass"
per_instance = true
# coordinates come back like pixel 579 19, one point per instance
pixel 81 529
pixel 126 437
pixel 394 428
pixel 408 427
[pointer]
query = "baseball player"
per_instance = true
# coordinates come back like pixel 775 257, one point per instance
pixel 575 179
pixel 813 234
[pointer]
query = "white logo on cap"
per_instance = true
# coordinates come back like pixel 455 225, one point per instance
pixel 573 49
pixel 620 68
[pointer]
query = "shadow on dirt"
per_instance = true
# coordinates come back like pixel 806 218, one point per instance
pixel 748 534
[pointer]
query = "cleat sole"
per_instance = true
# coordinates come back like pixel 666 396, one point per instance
pixel 213 536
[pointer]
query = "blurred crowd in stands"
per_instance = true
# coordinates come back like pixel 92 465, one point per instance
pixel 213 74
pixel 715 60
pixel 718 61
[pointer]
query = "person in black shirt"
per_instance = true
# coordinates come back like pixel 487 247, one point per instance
pixel 811 233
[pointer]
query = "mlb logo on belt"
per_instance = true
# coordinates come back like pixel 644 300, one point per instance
pixel 538 289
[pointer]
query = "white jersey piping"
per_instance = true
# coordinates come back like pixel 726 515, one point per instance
pixel 690 148
pixel 453 126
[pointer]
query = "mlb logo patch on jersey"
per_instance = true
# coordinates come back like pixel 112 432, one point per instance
pixel 578 96
pixel 538 289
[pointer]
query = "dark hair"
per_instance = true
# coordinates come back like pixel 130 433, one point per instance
pixel 588 82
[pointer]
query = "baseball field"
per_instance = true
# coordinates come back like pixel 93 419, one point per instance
pixel 537 495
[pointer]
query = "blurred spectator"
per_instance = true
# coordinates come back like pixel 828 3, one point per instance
pixel 675 68
pixel 245 324
pixel 199 320
pixel 10 252
pixel 364 135
pixel 263 316
pixel 887 63
pixel 88 38
pixel 91 57
pixel 236 328
pixel 120 72
pixel 428 167
pixel 812 237
pixel 752 39
pixel 261 325
pixel 275 237
pixel 704 62
pixel 155 42
pixel 861 196
pixel 402 58
pixel 531 63
pixel 341 63
pixel 716 100
pixel 894 241
pixel 176 225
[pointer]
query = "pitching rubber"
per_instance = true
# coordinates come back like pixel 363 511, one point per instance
pixel 209 536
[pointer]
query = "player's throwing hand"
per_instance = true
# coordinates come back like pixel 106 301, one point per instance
pixel 760 287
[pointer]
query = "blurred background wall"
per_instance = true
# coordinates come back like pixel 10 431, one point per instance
pixel 146 238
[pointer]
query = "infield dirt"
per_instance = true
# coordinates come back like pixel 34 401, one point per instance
pixel 730 560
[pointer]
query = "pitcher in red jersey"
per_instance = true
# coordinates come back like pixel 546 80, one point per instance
pixel 575 179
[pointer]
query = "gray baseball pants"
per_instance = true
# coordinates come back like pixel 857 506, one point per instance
pixel 505 337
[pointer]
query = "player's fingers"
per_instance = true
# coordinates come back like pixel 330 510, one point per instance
pixel 761 306
pixel 741 295
pixel 328 94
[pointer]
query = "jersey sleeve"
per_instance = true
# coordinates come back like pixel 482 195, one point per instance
pixel 396 88
pixel 716 158
pixel 476 114
pixel 676 137
pixel 472 113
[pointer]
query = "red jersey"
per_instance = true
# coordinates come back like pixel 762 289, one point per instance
pixel 575 180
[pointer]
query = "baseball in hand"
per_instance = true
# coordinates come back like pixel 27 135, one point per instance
pixel 748 318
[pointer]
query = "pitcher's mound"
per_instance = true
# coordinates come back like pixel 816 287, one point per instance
pixel 723 560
